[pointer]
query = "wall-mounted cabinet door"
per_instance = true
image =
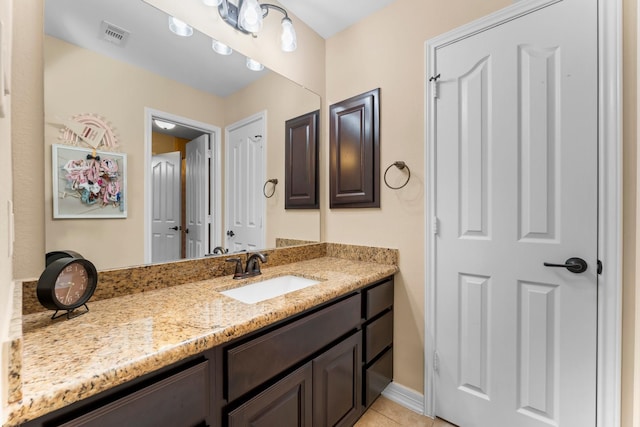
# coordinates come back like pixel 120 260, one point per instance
pixel 301 162
pixel 355 152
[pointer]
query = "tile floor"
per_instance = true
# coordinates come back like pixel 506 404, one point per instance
pixel 385 413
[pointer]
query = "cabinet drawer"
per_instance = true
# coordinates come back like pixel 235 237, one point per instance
pixel 179 400
pixel 257 361
pixel 377 377
pixel 378 335
pixel 378 298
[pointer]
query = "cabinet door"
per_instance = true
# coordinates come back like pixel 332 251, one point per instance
pixel 337 379
pixel 285 404
pixel 354 152
pixel 301 162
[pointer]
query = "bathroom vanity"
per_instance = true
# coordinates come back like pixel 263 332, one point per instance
pixel 187 355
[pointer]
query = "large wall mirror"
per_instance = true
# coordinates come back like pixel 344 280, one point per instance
pixel 118 61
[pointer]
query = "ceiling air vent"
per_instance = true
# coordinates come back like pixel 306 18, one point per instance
pixel 113 33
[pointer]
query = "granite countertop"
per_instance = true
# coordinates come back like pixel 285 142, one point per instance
pixel 122 338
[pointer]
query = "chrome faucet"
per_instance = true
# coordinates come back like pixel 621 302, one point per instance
pixel 251 269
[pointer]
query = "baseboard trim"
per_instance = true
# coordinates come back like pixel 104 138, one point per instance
pixel 405 396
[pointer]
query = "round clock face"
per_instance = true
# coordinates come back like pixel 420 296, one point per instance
pixel 67 283
pixel 71 284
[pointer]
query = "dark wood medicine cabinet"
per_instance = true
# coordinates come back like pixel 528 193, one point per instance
pixel 301 162
pixel 355 152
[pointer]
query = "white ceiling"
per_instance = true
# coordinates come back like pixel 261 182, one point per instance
pixel 328 17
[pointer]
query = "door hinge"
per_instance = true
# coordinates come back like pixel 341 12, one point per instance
pixel 436 362
pixel 209 154
pixel 435 225
pixel 434 85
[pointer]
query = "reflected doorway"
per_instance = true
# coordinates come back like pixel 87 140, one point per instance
pixel 182 187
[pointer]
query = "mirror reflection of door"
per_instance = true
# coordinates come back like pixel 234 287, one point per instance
pixel 165 211
pixel 184 215
pixel 245 176
pixel 197 196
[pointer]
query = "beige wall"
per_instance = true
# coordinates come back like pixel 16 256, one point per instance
pixel 70 89
pixel 26 136
pixel 282 99
pixel 6 287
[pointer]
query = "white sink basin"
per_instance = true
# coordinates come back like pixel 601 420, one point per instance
pixel 270 288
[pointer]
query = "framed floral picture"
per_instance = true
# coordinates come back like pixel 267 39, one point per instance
pixel 88 183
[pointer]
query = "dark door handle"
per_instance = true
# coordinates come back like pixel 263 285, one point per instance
pixel 574 265
pixel 230 233
pixel 186 230
pixel 176 228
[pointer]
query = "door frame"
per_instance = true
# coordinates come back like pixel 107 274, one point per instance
pixel 609 199
pixel 215 183
pixel 228 129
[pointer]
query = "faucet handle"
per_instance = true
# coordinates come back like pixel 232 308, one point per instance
pixel 238 262
pixel 253 263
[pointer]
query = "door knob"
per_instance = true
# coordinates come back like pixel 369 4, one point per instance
pixel 176 228
pixel 574 265
pixel 230 233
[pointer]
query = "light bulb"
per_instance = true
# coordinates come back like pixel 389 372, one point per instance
pixel 250 16
pixel 179 27
pixel 221 48
pixel 288 41
pixel 254 65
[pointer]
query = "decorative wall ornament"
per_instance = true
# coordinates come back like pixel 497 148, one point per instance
pixel 88 183
pixel 89 129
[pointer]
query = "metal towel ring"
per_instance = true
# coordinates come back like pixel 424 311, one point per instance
pixel 400 165
pixel 273 181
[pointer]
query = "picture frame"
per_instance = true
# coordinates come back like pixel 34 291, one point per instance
pixel 88 183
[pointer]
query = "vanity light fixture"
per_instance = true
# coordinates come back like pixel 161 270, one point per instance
pixel 179 27
pixel 221 48
pixel 212 2
pixel 248 15
pixel 164 125
pixel 254 65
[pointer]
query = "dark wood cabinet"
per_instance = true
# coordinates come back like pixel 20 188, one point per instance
pixel 284 347
pixel 301 162
pixel 354 152
pixel 322 367
pixel 377 326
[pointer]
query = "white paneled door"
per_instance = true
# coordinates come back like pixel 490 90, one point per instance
pixel 245 178
pixel 516 187
pixel 198 156
pixel 165 212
